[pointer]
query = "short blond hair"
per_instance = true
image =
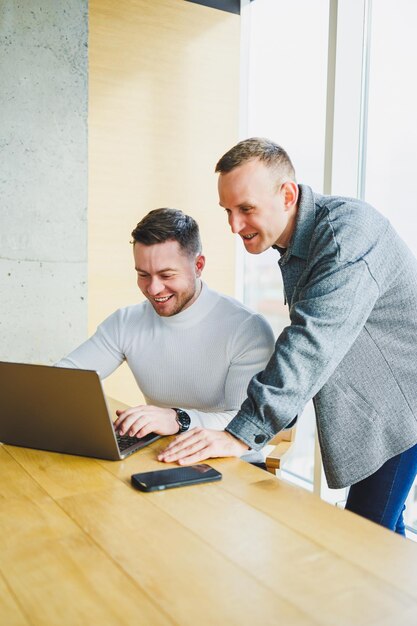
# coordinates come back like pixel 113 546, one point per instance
pixel 265 150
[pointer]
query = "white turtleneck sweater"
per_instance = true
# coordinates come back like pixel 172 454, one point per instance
pixel 200 360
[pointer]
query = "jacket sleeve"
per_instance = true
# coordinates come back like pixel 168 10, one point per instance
pixel 329 313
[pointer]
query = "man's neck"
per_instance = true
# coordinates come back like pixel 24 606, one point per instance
pixel 286 236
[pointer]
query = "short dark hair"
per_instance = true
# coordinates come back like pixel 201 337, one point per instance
pixel 260 148
pixel 162 225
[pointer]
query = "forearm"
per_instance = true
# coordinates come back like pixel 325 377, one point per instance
pixel 215 420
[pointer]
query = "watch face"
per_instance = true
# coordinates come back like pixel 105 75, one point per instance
pixel 183 420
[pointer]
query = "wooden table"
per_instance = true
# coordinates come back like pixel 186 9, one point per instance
pixel 78 545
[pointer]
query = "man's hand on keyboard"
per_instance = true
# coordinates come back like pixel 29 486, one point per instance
pixel 139 421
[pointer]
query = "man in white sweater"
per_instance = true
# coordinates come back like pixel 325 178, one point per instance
pixel 191 350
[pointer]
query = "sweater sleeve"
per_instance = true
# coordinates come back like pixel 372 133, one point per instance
pixel 250 349
pixel 102 352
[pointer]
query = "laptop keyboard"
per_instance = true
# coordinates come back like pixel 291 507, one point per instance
pixel 124 441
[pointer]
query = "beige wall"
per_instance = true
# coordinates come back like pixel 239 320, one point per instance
pixel 163 106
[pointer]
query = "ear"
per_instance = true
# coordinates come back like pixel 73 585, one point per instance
pixel 199 264
pixel 290 191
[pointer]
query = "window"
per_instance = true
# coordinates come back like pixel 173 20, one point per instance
pixel 286 101
pixel 373 138
pixel 391 156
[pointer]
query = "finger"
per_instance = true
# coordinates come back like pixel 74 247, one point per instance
pixel 122 415
pixel 118 421
pixel 202 455
pixel 176 448
pixel 126 425
pixel 141 426
pixel 135 428
pixel 182 439
pixel 183 451
pixel 144 422
pixel 188 456
pixel 145 430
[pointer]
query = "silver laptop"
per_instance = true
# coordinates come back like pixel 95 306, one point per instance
pixel 62 410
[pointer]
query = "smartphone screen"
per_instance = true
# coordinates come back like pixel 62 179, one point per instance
pixel 175 477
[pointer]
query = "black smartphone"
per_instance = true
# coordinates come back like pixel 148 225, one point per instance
pixel 175 477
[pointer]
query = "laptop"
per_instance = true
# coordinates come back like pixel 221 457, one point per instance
pixel 61 410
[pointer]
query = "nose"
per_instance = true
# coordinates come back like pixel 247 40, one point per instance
pixel 235 223
pixel 154 286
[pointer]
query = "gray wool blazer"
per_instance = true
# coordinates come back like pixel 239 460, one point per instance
pixel 351 287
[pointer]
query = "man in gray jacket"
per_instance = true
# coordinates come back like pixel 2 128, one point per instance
pixel 351 287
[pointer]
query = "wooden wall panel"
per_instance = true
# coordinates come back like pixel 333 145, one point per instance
pixel 163 107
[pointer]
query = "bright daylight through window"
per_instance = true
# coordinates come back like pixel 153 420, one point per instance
pixel 373 139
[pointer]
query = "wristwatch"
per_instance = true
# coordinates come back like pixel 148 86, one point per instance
pixel 183 419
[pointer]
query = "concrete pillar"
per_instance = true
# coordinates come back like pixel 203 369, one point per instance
pixel 43 178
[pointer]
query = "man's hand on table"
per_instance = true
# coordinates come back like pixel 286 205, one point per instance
pixel 199 444
pixel 139 421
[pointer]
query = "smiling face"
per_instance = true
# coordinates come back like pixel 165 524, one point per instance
pixel 167 277
pixel 259 209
